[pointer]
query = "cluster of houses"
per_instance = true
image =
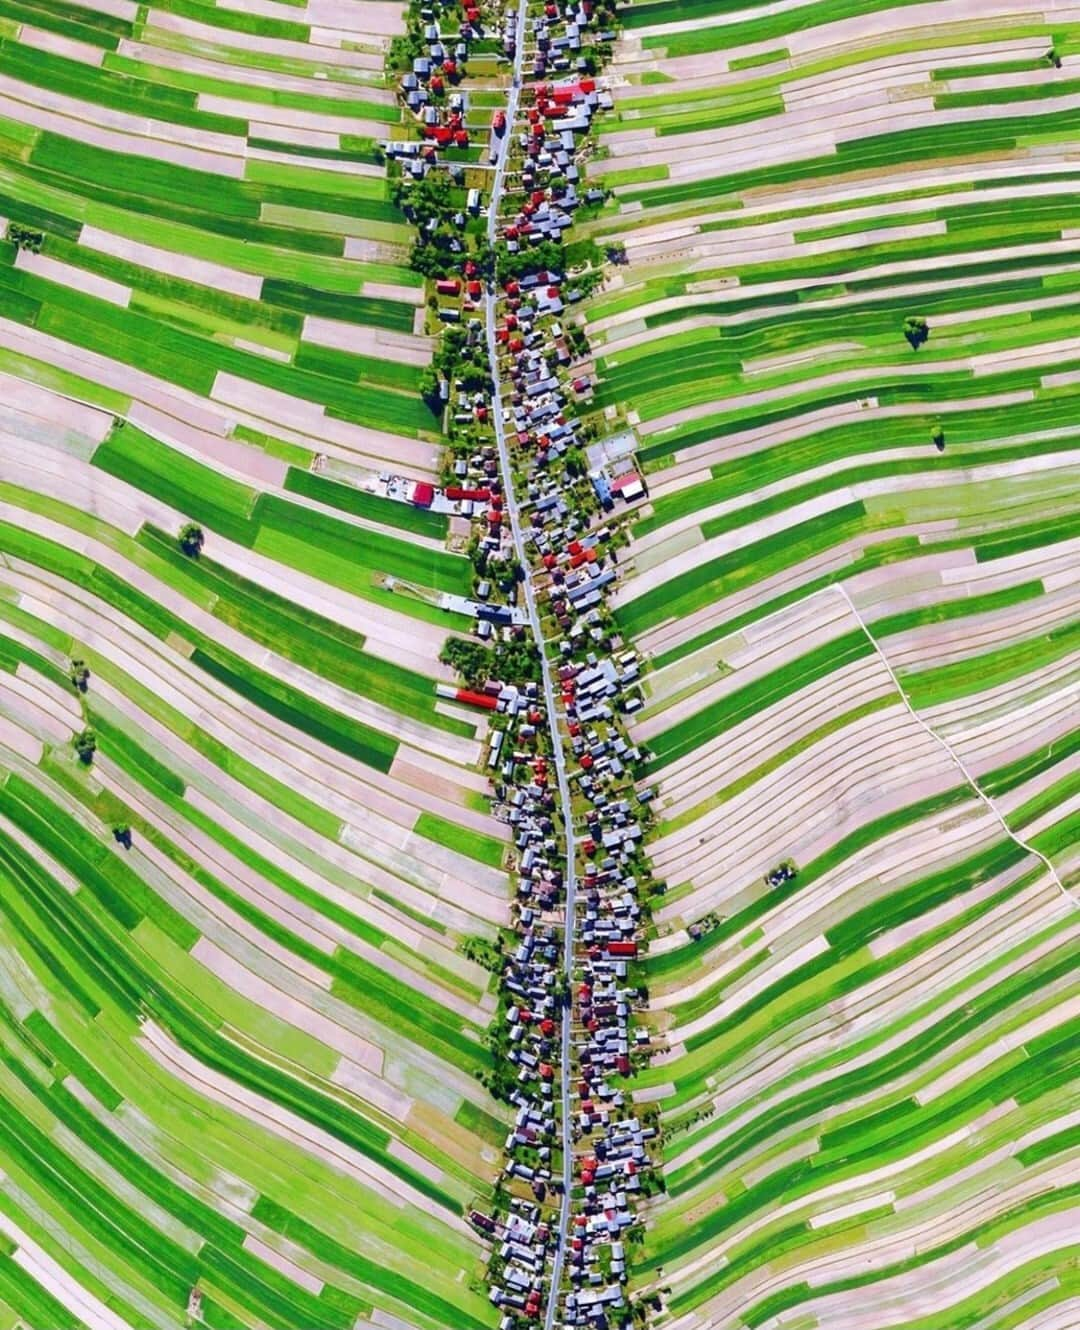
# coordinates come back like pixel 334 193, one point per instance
pixel 523 1239
pixel 555 124
pixel 573 563
pixel 611 1143
pixel 598 681
pixel 430 88
pixel 533 349
pixel 533 998
pixel 557 37
pixel 598 684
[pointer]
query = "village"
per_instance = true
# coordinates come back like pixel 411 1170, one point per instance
pixel 544 537
pixel 539 660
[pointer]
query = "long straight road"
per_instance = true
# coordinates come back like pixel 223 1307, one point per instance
pixel 565 805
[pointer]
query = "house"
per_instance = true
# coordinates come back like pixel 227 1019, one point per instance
pixel 628 486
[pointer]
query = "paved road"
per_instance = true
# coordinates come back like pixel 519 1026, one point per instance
pixel 548 680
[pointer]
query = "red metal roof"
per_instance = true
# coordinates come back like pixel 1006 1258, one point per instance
pixel 476 699
pixel 631 478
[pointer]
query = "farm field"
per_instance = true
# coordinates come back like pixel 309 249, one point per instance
pixel 845 336
pixel 195 214
pixel 247 1043
pixel 242 1004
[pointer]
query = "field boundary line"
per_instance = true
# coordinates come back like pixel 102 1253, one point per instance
pixel 953 754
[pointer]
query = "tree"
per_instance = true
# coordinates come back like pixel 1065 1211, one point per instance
pixel 582 253
pixel 574 461
pixel 429 390
pixel 484 258
pixel 191 539
pixel 548 254
pixel 485 953
pixel 937 437
pixel 80 675
pixel 85 744
pixel 25 237
pixel 577 341
pixel 122 834
pixel 428 200
pixel 472 660
pixel 916 330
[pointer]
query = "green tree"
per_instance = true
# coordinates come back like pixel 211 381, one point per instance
pixel 191 539
pixel 484 258
pixel 25 237
pixel 429 390
pixel 574 461
pixel 85 744
pixel 472 660
pixel 937 438
pixel 80 675
pixel 547 255
pixel 122 834
pixel 916 330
